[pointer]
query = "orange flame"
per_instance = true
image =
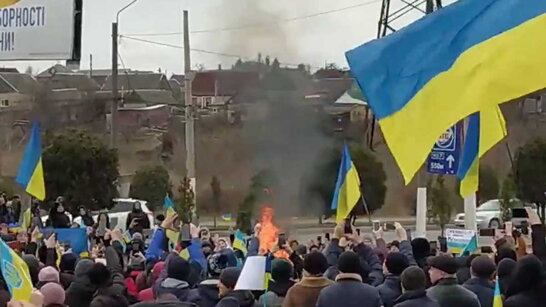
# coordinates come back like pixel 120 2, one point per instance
pixel 268 233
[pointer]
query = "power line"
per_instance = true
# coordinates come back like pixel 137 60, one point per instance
pixel 261 25
pixel 198 50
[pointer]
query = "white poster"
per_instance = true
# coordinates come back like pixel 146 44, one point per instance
pixel 253 274
pixel 36 29
pixel 458 239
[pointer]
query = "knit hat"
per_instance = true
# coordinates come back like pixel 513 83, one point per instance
pixel 301 250
pixel 483 267
pixel 53 294
pixel 83 267
pixel 281 270
pixel 68 262
pixel 506 267
pixel 230 276
pixel 48 274
pixel 413 278
pixel 178 269
pixel 349 262
pixel 99 274
pixel 444 263
pixel 315 263
pixel 505 252
pixel 396 263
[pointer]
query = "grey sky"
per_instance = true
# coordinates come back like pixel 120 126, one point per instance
pixel 312 41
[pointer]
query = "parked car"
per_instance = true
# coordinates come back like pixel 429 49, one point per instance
pixel 489 214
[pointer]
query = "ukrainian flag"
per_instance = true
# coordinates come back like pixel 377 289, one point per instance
pixel 15 272
pixel 168 205
pixel 471 247
pixel 497 298
pixel 31 173
pixel 465 58
pixel 347 193
pixel 239 242
pixel 226 217
pixel 26 219
pixel 485 129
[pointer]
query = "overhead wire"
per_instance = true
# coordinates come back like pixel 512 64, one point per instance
pixel 260 25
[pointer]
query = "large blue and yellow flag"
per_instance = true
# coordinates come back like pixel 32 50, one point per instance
pixel 347 193
pixel 497 298
pixel 467 57
pixel 31 173
pixel 15 272
pixel 485 129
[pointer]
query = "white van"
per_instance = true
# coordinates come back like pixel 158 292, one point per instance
pixel 119 213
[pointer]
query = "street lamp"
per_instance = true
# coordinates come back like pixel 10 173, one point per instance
pixel 114 109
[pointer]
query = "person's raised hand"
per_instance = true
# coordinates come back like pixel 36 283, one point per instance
pixel 401 233
pixel 133 224
pixel 51 242
pixel 533 217
pixel 194 231
pixel 168 222
pixel 116 235
pixel 378 233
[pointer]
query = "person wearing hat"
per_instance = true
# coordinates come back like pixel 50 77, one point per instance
pixel 390 289
pixel 414 294
pixel 349 290
pixel 81 291
pixel 176 283
pixel 482 270
pixel 305 293
pixel 281 274
pixel 229 297
pixel 446 290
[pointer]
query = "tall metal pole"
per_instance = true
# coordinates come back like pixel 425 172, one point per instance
pixel 114 110
pixel 190 145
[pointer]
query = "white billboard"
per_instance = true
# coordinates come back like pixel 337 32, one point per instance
pixel 36 29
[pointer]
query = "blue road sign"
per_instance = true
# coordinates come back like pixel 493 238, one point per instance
pixel 444 157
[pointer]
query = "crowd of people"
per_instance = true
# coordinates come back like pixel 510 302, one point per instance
pixel 346 269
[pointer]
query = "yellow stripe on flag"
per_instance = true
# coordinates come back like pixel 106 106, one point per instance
pixel 36 185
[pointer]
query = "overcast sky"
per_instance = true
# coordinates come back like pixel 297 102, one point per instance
pixel 313 40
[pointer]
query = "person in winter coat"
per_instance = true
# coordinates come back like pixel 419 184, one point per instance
pixel 80 292
pixel 4 292
pixel 137 220
pixel 109 301
pixel 446 291
pixel 281 272
pixel 101 227
pixel 67 266
pixel 54 295
pixel 86 217
pixel 528 285
pixel 348 290
pixel 178 271
pixel 109 279
pixel 505 271
pixel 333 250
pixel 33 268
pixel 391 289
pixel 306 292
pixel 147 295
pixel 413 282
pixel 421 253
pixel 57 217
pixel 463 273
pixel 229 297
pixel 47 275
pixel 482 270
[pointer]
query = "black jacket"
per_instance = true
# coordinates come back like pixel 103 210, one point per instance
pixel 88 220
pixel 163 304
pixel 206 294
pixel 143 221
pixel 178 288
pixel 240 298
pixel 80 292
pixel 483 288
pixel 417 298
pixel 449 293
pixel 390 290
pixel 58 220
pixel 530 298
pixel 349 291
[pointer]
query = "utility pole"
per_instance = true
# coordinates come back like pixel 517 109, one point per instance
pixel 114 109
pixel 190 132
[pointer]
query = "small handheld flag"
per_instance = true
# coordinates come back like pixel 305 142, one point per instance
pixel 226 217
pixel 497 298
pixel 31 173
pixel 15 272
pixel 239 242
pixel 347 193
pixel 471 247
pixel 168 205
